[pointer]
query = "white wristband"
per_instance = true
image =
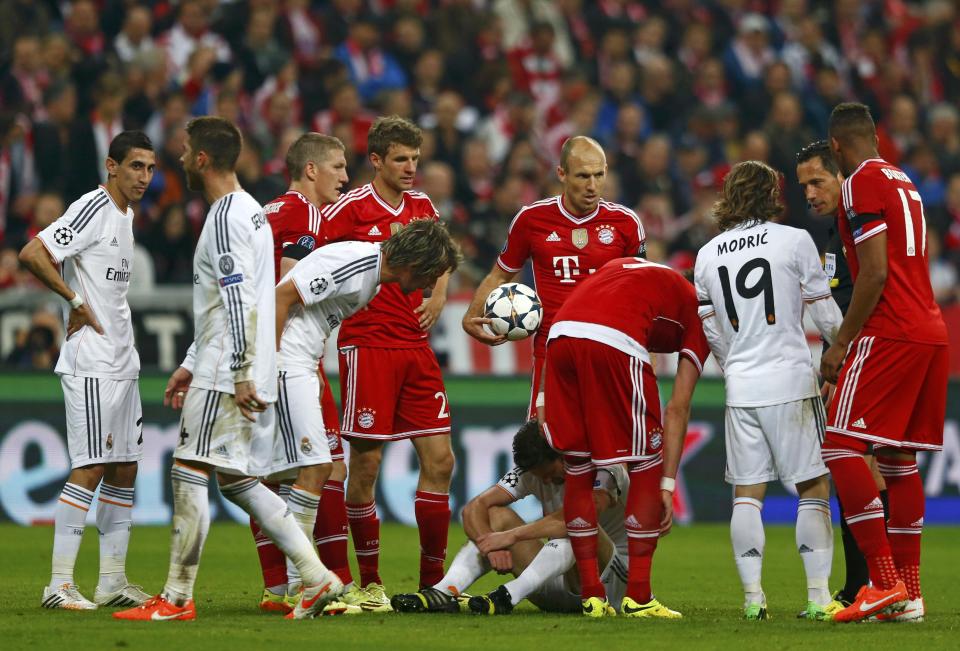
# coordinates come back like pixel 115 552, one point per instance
pixel 76 301
pixel 667 484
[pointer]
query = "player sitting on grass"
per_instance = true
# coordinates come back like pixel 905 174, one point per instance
pixel 501 541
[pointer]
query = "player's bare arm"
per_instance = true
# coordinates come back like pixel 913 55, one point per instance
pixel 676 418
pixel 37 260
pixel 550 526
pixel 287 297
pixel 476 523
pixel 867 289
pixel 473 320
pixel 429 310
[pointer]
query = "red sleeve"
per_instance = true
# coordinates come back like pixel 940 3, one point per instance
pixel 863 206
pixel 516 249
pixel 297 223
pixel 637 238
pixel 337 223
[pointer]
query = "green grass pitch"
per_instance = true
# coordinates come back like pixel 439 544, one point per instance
pixel 693 572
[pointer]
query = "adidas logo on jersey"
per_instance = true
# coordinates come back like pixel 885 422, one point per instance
pixel 751 553
pixel 875 505
pixel 553 237
pixel 578 523
pixel 374 231
pixel 859 423
pixel 918 523
pixel 114 242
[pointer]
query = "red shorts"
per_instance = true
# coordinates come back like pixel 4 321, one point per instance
pixel 535 387
pixel 331 419
pixel 892 393
pixel 601 403
pixel 389 394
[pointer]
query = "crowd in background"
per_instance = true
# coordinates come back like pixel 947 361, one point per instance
pixel 675 90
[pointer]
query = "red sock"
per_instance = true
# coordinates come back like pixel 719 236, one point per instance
pixel 643 513
pixel 365 529
pixel 905 523
pixel 432 511
pixel 862 508
pixel 581 515
pixel 273 564
pixel 330 532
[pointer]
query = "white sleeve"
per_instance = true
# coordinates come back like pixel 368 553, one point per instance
pixel 513 483
pixel 815 289
pixel 712 328
pixel 313 278
pixel 234 262
pixel 191 357
pixel 76 230
pixel 827 316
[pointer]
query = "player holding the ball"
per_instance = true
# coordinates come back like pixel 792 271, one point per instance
pixel 568 237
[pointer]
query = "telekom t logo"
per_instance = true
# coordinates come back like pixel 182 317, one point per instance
pixel 566 267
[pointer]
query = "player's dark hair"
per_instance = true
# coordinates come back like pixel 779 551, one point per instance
pixel 392 130
pixel 310 147
pixel 218 138
pixel 568 146
pixel 530 448
pixel 750 196
pixel 124 141
pixel 851 120
pixel 819 149
pixel 425 247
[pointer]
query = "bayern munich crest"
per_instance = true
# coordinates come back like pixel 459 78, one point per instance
pixel 365 417
pixel 332 440
pixel 656 438
pixel 605 234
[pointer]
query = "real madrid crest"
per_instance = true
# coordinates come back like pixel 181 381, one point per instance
pixel 109 441
pixel 580 237
pixel 305 445
pixel 365 417
pixel 605 233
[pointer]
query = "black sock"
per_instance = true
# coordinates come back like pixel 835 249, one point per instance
pixel 857 572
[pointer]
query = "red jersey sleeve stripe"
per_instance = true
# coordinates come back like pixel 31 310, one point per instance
pixel 331 211
pixel 506 267
pixel 866 235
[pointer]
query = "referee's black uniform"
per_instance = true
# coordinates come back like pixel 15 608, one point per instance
pixel 841 284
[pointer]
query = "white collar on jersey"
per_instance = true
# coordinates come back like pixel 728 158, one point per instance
pixel 576 220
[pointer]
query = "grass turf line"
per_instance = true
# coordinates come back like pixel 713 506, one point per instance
pixel 693 572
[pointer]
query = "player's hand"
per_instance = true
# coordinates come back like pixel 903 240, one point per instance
pixel 245 393
pixel 177 387
pixel 82 316
pixel 501 561
pixel 667 520
pixel 496 541
pixel 429 311
pixel 831 362
pixel 826 393
pixel 473 326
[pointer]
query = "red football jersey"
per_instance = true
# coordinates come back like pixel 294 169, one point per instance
pixel 565 249
pixel 293 220
pixel 635 305
pixel 388 321
pixel 879 197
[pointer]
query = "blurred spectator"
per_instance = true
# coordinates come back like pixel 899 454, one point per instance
pixel 190 31
pixel 83 28
pixel 170 242
pixel 18 181
pixel 134 38
pixel 21 17
pixel 46 209
pixel 371 68
pixel 261 54
pixel 943 274
pixel 346 109
pixel 51 138
pixel 535 66
pixel 22 87
pixel 750 53
pixel 37 348
pixel 90 138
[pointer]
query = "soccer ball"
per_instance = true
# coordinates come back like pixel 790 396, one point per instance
pixel 514 310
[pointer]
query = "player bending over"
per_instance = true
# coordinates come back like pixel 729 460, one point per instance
pixel 500 541
pixel 754 282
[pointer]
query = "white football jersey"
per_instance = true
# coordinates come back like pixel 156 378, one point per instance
pixel 233 300
pixel 613 479
pixel 93 242
pixel 754 281
pixel 335 281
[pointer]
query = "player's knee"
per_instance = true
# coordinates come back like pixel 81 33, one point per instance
pixel 365 466
pixel 338 471
pixel 817 488
pixel 438 467
pixel 121 474
pixel 87 476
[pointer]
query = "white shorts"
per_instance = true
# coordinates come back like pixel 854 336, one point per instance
pixel 301 438
pixel 215 432
pixel 104 420
pixel 557 596
pixel 776 442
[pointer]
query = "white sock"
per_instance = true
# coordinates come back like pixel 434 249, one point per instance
pixel 114 521
pixel 68 522
pixel 467 566
pixel 815 544
pixel 554 559
pixel 191 523
pixel 277 521
pixel 303 506
pixel 747 536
